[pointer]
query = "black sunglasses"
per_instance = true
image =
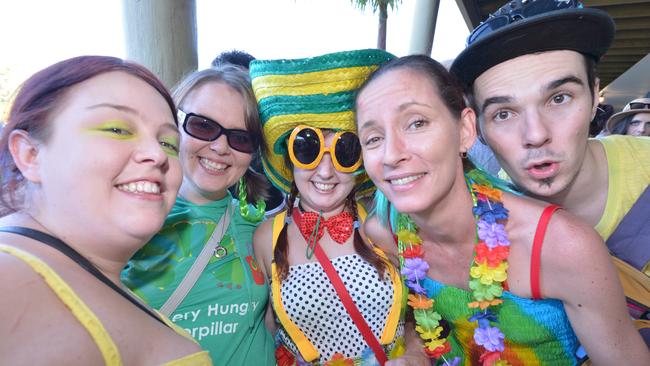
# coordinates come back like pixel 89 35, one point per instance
pixel 205 129
pixel 518 10
pixel 639 105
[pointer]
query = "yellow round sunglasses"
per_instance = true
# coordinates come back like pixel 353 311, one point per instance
pixel 307 148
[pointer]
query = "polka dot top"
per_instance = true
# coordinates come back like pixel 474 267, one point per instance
pixel 312 304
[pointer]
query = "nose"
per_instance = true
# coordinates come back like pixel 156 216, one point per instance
pixel 395 149
pixel 641 129
pixel 150 151
pixel 220 145
pixel 535 130
pixel 325 168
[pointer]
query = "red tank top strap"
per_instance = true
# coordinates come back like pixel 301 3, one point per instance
pixel 535 259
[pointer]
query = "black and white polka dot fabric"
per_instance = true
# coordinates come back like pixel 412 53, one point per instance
pixel 312 304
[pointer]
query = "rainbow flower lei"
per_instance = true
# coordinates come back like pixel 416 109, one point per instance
pixel 488 273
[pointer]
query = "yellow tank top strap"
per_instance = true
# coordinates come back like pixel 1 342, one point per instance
pixel 362 212
pixel 306 348
pixel 195 359
pixel 395 312
pixel 79 309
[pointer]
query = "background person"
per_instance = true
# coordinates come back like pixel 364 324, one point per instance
pixel 208 233
pixel 523 304
pixel 633 120
pixel 90 170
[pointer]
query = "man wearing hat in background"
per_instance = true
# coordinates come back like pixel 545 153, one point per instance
pixel 633 120
pixel 530 71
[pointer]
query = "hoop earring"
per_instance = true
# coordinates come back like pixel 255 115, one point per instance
pixel 250 214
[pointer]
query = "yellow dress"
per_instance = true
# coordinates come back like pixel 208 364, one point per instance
pixel 89 320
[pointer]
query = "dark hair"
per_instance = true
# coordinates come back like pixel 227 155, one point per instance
pixel 592 72
pixel 620 128
pixel 603 112
pixel 236 78
pixel 364 250
pixel 234 57
pixel 40 95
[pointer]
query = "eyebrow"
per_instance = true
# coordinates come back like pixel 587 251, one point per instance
pixel 119 107
pixel 130 110
pixel 365 125
pixel 550 86
pixel 565 80
pixel 495 100
pixel 403 106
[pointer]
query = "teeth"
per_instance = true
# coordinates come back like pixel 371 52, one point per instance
pixel 406 180
pixel 212 165
pixel 324 186
pixel 140 187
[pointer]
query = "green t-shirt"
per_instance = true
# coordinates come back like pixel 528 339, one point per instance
pixel 225 309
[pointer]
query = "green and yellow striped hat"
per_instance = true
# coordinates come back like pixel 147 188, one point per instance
pixel 318 92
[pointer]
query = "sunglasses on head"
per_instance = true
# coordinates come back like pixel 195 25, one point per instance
pixel 518 10
pixel 307 148
pixel 639 105
pixel 205 129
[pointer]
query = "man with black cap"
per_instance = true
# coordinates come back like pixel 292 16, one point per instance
pixel 530 72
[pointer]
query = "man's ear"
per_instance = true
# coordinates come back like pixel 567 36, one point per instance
pixel 467 129
pixel 596 99
pixel 24 150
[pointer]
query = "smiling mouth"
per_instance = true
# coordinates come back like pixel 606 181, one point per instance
pixel 140 187
pixel 405 180
pixel 324 186
pixel 212 166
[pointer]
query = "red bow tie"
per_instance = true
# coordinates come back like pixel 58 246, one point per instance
pixel 339 226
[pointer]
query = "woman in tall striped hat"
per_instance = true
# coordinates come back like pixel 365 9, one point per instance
pixel 337 299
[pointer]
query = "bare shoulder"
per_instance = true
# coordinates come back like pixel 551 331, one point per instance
pixel 566 234
pixel 35 320
pixel 569 246
pixel 263 244
pixel 379 235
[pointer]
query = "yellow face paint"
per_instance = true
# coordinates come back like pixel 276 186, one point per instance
pixel 170 145
pixel 122 131
pixel 115 129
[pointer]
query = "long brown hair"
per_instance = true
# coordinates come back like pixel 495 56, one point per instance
pixel 364 250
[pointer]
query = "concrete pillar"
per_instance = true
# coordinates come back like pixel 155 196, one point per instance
pixel 161 35
pixel 424 26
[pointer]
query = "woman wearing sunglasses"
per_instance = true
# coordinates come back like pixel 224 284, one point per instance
pixel 494 278
pixel 337 299
pixel 90 170
pixel 199 269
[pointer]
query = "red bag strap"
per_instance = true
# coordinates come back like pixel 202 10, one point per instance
pixel 535 259
pixel 347 301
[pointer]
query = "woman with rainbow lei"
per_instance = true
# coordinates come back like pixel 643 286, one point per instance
pixel 483 289
pixel 314 156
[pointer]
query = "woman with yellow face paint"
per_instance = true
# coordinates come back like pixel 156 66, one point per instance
pixel 90 170
pixel 199 269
